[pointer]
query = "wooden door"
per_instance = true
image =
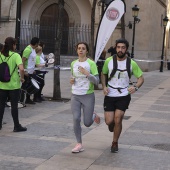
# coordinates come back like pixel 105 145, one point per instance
pixel 48 29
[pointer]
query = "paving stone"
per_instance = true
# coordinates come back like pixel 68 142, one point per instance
pixel 163 102
pixel 155 114
pixel 30 147
pixel 151 126
pixel 134 159
pixel 142 139
pixel 50 130
pixel 6 165
pixel 159 107
pixel 165 98
pixel 63 116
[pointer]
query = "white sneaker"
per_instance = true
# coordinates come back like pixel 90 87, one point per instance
pixel 78 148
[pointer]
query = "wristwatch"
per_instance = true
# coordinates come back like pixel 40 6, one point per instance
pixel 136 88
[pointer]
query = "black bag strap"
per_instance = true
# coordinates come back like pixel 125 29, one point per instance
pixel 15 66
pixel 13 70
pixel 128 64
pixel 114 67
pixel 7 59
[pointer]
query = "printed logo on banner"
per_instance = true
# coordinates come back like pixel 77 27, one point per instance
pixel 112 14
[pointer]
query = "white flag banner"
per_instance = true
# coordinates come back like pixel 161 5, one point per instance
pixel 110 19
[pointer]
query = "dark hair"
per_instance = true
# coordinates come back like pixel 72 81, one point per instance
pixel 9 42
pixel 124 41
pixel 41 43
pixel 34 40
pixel 1 47
pixel 87 47
pixel 128 53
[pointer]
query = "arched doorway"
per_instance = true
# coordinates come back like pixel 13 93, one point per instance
pixel 48 29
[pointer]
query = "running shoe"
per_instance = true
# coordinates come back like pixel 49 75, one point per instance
pixel 114 147
pixel 78 148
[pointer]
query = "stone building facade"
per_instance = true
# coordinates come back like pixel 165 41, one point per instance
pixel 148 35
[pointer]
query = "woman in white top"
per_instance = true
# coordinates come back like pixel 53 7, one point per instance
pixel 84 76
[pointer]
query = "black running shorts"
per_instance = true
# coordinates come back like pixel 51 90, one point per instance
pixel 113 103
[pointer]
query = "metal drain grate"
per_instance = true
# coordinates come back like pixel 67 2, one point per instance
pixel 126 117
pixel 162 146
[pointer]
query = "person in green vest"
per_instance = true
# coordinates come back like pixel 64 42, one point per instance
pixel 11 88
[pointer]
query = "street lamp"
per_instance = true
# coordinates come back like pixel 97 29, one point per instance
pixel 135 11
pixel 165 21
pixel 18 22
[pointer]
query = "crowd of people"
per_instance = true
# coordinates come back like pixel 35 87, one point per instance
pixel 27 77
pixel 114 74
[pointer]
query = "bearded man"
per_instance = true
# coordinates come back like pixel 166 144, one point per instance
pixel 116 74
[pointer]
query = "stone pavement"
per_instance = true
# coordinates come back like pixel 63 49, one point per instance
pixel 144 143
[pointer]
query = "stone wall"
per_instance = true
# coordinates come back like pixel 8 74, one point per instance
pixel 7 29
pixel 149 32
pixel 7 21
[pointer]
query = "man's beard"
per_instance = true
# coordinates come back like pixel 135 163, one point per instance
pixel 121 55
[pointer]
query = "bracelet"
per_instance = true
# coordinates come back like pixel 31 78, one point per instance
pixel 136 88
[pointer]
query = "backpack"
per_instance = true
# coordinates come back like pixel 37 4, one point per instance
pixel 128 62
pixel 5 71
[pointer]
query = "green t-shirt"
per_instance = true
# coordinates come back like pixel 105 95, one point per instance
pixel 37 59
pixel 82 85
pixel 108 66
pixel 26 53
pixel 14 82
pixel 120 79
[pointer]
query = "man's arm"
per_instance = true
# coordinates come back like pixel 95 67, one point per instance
pixel 24 60
pixel 21 70
pixel 25 55
pixel 103 79
pixel 139 83
pixel 104 85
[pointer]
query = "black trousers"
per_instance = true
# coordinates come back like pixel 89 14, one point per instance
pixel 14 97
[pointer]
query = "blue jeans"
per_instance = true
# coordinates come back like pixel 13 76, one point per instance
pixel 14 97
